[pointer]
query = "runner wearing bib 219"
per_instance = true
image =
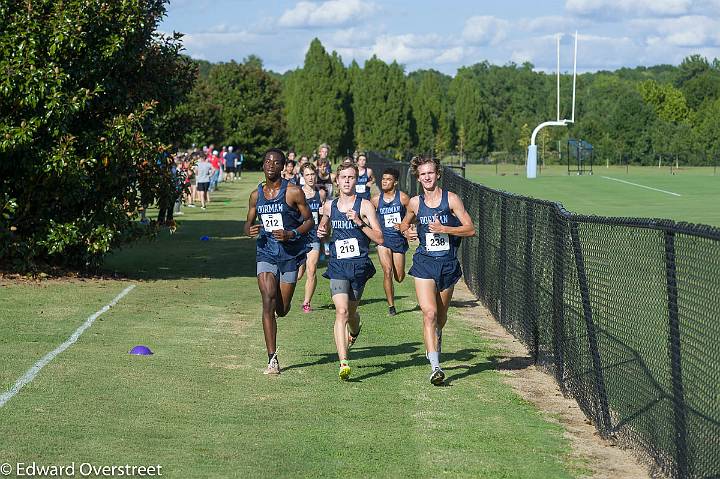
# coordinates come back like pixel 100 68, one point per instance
pixel 352 223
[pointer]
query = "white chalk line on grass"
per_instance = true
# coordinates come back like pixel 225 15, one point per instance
pixel 641 186
pixel 33 371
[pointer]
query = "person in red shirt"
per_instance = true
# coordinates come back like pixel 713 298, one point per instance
pixel 215 162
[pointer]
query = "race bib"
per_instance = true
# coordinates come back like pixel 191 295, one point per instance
pixel 392 219
pixel 347 248
pixel 315 217
pixel 360 188
pixel 437 242
pixel 272 222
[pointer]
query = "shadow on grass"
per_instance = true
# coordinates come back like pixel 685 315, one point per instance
pixel 464 303
pixel 185 255
pixel 366 301
pixel 493 363
pixel 360 353
pixel 416 357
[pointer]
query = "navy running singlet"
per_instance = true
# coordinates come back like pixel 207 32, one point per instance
pixel 348 241
pixel 276 214
pixel 389 214
pixel 362 188
pixel 314 204
pixel 436 244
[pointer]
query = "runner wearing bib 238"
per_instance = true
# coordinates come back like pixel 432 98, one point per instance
pixel 441 221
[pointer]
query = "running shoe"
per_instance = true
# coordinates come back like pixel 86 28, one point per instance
pixel 273 366
pixel 392 311
pixel 344 372
pixel 437 377
pixel 306 308
pixel 352 338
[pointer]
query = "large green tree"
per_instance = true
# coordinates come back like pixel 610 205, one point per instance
pixel 471 118
pixel 250 107
pixel 381 107
pixel 87 88
pixel 428 97
pixel 317 102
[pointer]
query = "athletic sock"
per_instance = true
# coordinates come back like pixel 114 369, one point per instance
pixel 343 362
pixel 434 358
pixel 270 356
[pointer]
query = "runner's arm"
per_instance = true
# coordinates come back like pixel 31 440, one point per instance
pixel 458 208
pixel 250 228
pixel 323 229
pixel 369 224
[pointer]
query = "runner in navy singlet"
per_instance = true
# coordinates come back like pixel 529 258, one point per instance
pixel 441 221
pixel 315 198
pixel 366 178
pixel 391 205
pixel 354 224
pixel 281 247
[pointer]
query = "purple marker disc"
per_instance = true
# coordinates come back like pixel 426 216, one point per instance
pixel 141 350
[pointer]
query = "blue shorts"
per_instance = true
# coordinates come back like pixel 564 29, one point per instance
pixel 445 271
pixel 283 266
pixel 314 246
pixel 285 277
pixel 356 271
pixel 395 243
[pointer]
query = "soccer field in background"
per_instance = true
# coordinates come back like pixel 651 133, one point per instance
pixel 691 195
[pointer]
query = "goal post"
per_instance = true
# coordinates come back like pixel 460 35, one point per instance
pixel 532 148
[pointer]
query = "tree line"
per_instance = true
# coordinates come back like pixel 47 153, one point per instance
pixel 485 111
pixel 93 101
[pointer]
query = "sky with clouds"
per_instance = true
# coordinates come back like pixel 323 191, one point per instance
pixel 447 34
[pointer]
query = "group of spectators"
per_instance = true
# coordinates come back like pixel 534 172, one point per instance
pixel 204 170
pixel 196 173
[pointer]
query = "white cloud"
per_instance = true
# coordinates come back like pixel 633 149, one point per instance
pixel 200 41
pixel 403 48
pixel 485 30
pixel 686 31
pixel 331 13
pixel 623 8
pixel 451 55
pixel 348 37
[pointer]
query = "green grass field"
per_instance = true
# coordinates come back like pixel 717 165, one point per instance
pixel 698 190
pixel 200 406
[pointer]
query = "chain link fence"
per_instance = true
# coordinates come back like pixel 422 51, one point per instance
pixel 624 313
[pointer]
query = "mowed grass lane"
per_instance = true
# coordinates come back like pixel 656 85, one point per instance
pixel 594 195
pixel 200 406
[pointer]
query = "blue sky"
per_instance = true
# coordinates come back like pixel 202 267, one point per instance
pixel 447 34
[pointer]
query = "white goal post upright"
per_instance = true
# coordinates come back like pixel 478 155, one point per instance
pixel 532 149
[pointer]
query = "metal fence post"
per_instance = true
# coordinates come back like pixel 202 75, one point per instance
pixel 530 311
pixel 481 247
pixel 558 292
pixel 679 406
pixel 503 258
pixel 602 419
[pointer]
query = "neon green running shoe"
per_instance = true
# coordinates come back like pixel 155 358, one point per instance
pixel 344 372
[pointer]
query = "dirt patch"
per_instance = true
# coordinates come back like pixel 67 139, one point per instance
pixel 603 457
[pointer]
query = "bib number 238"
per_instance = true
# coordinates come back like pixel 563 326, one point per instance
pixel 437 242
pixel 347 248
